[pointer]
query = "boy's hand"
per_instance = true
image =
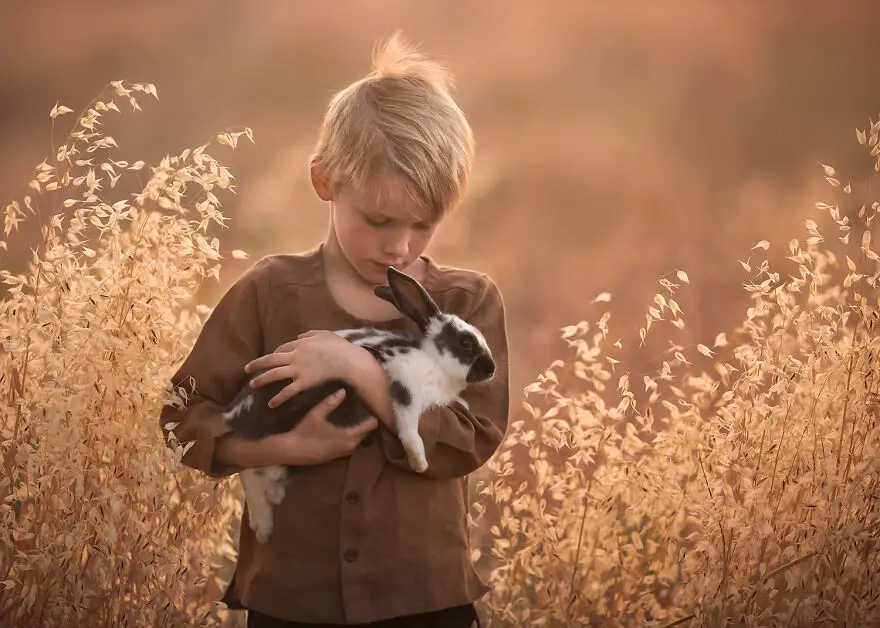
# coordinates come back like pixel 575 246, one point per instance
pixel 313 358
pixel 314 440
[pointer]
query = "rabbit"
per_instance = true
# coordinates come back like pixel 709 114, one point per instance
pixel 428 369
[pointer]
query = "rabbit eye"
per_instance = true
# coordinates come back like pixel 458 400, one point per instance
pixel 466 342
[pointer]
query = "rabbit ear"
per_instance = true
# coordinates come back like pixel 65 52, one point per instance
pixel 411 298
pixel 384 293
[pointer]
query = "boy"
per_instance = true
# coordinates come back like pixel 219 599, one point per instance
pixel 360 538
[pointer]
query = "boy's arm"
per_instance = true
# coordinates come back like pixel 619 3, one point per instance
pixel 458 440
pixel 234 453
pixel 230 337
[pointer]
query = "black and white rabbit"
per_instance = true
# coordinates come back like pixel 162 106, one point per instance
pixel 426 370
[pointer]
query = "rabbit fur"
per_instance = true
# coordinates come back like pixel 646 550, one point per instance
pixel 426 370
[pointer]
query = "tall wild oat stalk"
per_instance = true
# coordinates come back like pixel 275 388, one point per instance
pixel 741 490
pixel 99 523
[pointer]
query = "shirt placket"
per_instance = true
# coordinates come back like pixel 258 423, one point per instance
pixel 363 470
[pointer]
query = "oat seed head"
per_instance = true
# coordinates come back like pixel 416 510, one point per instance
pixel 101 525
pixel 732 484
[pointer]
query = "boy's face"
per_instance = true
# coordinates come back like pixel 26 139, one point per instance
pixel 381 226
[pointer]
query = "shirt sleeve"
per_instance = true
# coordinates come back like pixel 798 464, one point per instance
pixel 459 440
pixel 213 372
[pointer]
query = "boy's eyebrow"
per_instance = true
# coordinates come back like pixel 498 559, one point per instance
pixel 378 213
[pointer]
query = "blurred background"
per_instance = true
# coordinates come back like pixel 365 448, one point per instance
pixel 617 142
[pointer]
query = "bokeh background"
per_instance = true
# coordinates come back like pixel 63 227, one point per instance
pixel 617 142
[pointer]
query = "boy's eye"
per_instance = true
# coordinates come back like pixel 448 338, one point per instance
pixel 374 222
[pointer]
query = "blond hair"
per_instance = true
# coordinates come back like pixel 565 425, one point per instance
pixel 399 119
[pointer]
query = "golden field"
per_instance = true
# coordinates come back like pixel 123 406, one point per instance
pixel 727 477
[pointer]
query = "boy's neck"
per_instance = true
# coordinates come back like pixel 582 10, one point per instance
pixel 349 289
pixel 337 268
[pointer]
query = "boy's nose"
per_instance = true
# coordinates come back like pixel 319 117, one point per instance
pixel 397 248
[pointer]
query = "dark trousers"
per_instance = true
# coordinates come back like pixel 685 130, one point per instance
pixel 457 617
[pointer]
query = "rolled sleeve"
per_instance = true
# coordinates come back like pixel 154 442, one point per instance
pixel 213 373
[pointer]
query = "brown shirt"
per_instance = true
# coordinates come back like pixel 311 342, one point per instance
pixel 363 538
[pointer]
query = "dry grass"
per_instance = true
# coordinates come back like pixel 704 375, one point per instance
pixel 734 485
pixel 99 523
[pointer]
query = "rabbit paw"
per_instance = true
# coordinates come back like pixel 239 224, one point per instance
pixel 415 455
pixel 275 493
pixel 418 464
pixel 263 531
pixel 415 450
pixel 262 526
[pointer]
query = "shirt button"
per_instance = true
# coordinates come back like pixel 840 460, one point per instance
pixel 352 498
pixel 351 555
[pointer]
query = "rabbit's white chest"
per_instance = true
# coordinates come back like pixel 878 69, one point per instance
pixel 429 383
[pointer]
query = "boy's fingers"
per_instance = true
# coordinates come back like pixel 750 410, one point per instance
pixel 327 404
pixel 266 362
pixel 359 432
pixel 311 332
pixel 272 375
pixel 362 429
pixel 288 392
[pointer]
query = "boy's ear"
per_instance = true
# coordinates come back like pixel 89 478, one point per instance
pixel 411 298
pixel 320 180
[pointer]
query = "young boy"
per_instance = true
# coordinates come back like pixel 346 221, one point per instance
pixel 360 538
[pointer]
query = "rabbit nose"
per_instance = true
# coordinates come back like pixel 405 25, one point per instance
pixel 482 369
